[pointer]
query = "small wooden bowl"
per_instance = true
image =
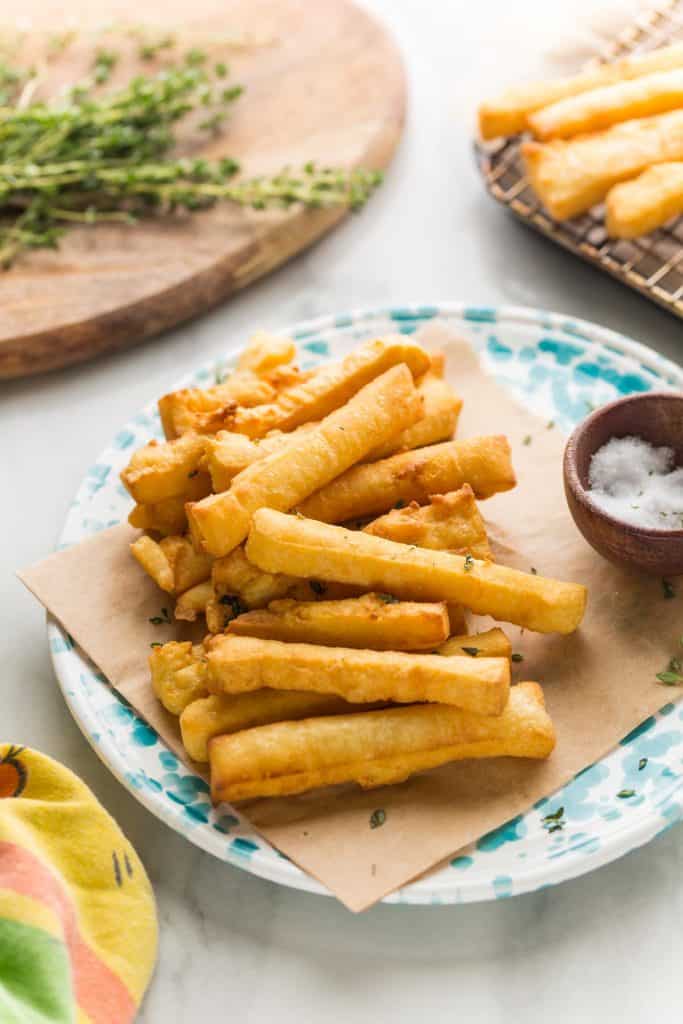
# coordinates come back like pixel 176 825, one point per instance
pixel 657 417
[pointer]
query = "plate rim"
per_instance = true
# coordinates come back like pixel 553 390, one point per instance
pixel 633 834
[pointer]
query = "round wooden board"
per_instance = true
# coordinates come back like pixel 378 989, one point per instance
pixel 323 82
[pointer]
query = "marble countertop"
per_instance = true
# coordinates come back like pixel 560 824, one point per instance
pixel 600 948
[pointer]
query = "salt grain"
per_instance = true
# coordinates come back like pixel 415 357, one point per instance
pixel 637 483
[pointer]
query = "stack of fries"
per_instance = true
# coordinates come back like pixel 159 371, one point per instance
pixel 614 133
pixel 326 526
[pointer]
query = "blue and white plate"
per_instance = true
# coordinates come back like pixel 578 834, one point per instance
pixel 560 369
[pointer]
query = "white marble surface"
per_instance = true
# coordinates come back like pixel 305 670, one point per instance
pixel 605 947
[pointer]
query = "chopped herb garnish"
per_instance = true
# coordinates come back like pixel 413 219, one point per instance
pixel 668 589
pixel 642 763
pixel 527 440
pixel 400 503
pixel 472 651
pixel 236 607
pixel 105 61
pixel 624 794
pixel 388 598
pixel 161 620
pixel 156 644
pixel 675 665
pixel 670 678
pixel 550 424
pixel 534 572
pixel 378 818
pixel 554 821
pixel 516 657
pixel 193 472
pixel 469 563
pixel 317 587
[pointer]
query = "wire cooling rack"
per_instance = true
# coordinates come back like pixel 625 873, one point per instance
pixel 653 265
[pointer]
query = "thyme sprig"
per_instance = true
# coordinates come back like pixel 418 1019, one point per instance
pixel 93 158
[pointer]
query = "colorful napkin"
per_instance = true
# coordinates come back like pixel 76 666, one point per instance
pixel 78 930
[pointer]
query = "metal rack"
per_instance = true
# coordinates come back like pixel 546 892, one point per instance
pixel 653 265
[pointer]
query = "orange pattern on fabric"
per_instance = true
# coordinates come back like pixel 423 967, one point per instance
pixel 100 994
pixel 12 773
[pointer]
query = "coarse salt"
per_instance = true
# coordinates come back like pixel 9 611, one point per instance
pixel 637 483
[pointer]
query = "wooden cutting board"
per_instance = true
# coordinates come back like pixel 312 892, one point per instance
pixel 323 82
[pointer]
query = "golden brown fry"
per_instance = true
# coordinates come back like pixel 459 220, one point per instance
pixel 329 552
pixel 221 714
pixel 228 453
pixel 207 410
pixel 188 566
pixel 372 488
pixel 172 562
pixel 376 622
pixel 439 421
pixel 159 471
pixel 287 476
pixel 168 517
pixel 451 522
pixel 637 207
pixel 264 351
pixel 235 574
pixel 330 387
pixel 571 176
pixel 375 748
pixel 491 644
pixel 193 602
pixel 437 362
pixel 507 114
pixel 239 663
pixel 149 554
pixel 178 674
pixel 601 108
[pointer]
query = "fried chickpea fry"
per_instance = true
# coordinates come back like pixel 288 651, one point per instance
pixel 451 522
pixel 373 621
pixel 437 363
pixel 329 552
pixel 373 488
pixel 192 603
pixel 167 470
pixel 178 675
pixel 228 453
pixel 508 114
pixel 374 748
pixel 173 563
pixel 238 664
pixel 491 644
pixel 235 574
pixel 264 351
pixel 207 410
pixel 287 476
pixel 150 555
pixel 221 714
pixel 439 421
pixel 168 517
pixel 639 206
pixel 601 108
pixel 571 176
pixel 330 387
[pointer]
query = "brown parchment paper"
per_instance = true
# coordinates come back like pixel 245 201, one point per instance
pixel 599 683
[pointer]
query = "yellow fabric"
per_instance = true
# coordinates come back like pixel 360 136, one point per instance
pixel 46 810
